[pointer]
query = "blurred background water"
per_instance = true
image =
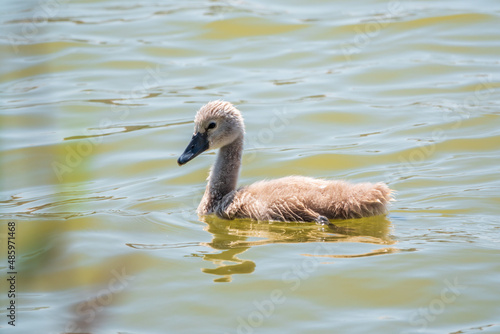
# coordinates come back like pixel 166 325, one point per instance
pixel 97 103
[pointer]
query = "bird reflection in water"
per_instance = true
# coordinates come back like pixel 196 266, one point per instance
pixel 234 237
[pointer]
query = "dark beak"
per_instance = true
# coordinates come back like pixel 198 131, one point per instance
pixel 197 145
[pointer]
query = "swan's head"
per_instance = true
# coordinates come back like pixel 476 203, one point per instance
pixel 217 124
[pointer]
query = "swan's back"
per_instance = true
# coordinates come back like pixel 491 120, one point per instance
pixel 300 198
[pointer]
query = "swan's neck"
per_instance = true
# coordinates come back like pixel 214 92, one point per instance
pixel 223 175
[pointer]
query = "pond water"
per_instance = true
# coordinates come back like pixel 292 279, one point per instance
pixel 97 103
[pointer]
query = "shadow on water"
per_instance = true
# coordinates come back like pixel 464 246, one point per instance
pixel 234 237
pixel 230 238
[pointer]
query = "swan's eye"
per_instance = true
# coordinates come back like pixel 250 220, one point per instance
pixel 212 125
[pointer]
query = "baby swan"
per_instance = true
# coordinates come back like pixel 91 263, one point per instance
pixel 219 125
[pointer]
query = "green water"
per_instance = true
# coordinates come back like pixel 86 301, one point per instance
pixel 97 103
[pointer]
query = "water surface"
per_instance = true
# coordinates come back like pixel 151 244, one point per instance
pixel 97 103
